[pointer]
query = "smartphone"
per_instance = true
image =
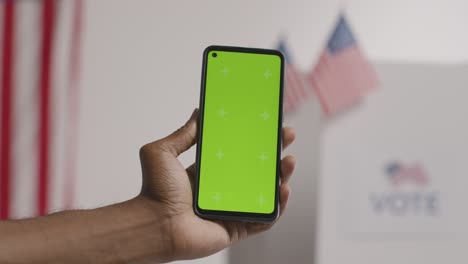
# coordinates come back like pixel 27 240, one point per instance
pixel 239 136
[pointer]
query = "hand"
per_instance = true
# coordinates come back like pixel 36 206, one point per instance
pixel 168 185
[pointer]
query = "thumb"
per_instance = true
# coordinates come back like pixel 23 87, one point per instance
pixel 183 138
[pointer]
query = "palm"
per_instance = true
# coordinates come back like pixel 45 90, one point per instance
pixel 196 237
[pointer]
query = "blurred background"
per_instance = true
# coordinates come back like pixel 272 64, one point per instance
pixel 86 83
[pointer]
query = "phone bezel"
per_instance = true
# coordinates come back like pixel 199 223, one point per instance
pixel 230 215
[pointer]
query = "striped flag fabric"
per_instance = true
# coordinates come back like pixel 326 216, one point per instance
pixel 39 74
pixel 296 90
pixel 342 75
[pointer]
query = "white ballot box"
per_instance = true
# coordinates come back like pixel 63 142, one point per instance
pixel 394 171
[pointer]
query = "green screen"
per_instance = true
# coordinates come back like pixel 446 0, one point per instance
pixel 240 132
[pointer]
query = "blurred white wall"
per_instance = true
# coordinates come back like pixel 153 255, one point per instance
pixel 142 62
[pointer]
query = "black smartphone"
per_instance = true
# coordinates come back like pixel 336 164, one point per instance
pixel 239 137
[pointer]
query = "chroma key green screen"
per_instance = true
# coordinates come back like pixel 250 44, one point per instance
pixel 238 158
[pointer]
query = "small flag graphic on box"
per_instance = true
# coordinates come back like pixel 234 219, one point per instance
pixel 342 75
pixel 295 87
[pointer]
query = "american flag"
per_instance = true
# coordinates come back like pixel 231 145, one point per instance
pixel 342 75
pixel 400 173
pixel 39 49
pixel 296 90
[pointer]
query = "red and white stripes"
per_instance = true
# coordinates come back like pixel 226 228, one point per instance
pixel 341 80
pixel 39 105
pixel 296 89
pixel 7 107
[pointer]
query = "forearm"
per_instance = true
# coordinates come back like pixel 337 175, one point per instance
pixel 122 233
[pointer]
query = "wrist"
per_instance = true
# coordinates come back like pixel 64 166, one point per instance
pixel 154 227
pixel 128 232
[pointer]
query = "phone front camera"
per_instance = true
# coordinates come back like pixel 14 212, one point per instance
pixel 214 54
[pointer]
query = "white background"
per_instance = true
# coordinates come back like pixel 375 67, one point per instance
pixel 142 62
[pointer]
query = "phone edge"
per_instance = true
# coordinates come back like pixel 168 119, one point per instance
pixel 238 216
